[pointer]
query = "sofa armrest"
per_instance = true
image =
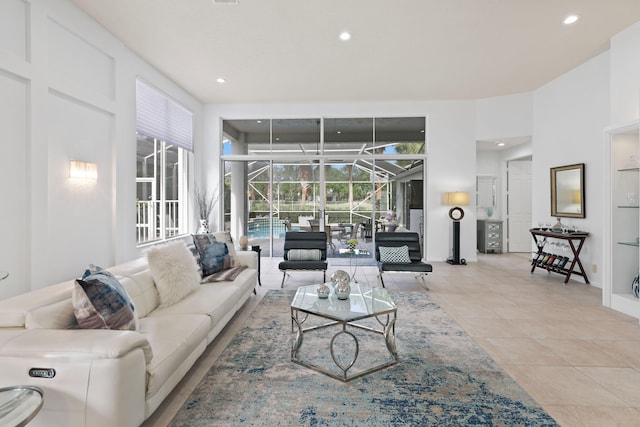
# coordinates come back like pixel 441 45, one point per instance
pixel 248 258
pixel 73 343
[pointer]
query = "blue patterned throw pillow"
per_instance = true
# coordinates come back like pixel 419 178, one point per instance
pixel 394 255
pixel 101 302
pixel 635 285
pixel 212 253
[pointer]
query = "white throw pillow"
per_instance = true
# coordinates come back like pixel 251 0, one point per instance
pixel 174 271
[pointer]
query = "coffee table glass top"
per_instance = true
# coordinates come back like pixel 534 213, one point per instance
pixel 355 252
pixel 364 301
pixel 19 404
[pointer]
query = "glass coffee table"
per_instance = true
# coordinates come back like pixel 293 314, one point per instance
pixel 365 302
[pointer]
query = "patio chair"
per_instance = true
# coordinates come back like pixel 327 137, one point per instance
pixel 304 251
pixel 399 252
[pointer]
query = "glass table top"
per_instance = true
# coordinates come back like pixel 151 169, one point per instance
pixel 354 252
pixel 19 404
pixel 364 301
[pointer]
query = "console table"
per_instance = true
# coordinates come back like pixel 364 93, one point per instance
pixel 572 238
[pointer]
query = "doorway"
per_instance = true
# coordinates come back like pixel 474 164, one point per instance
pixel 519 205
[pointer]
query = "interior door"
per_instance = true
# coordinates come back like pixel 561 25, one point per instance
pixel 519 206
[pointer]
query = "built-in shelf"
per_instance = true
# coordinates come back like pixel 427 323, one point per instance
pixel 624 182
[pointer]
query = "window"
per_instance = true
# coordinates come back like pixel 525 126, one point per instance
pixel 164 140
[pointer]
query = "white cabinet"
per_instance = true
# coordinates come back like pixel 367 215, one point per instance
pixel 622 250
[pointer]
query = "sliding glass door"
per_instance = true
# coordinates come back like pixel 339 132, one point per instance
pixel 344 175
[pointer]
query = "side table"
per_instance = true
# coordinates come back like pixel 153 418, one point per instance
pixel 353 253
pixel 256 248
pixel 19 404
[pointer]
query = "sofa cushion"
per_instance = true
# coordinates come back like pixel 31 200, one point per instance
pixel 174 339
pixel 100 302
pixel 394 254
pixel 174 271
pixel 214 300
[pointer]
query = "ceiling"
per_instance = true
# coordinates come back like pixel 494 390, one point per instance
pixel 284 51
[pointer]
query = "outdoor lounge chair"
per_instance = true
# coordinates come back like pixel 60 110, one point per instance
pixel 304 251
pixel 396 259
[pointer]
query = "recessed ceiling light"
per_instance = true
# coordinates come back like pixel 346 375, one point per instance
pixel 345 35
pixel 220 80
pixel 339 132
pixel 570 19
pixel 500 144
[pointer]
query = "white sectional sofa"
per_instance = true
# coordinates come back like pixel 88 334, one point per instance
pixel 102 377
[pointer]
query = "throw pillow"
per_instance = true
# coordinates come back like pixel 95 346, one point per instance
pixel 101 302
pixel 304 255
pixel 214 255
pixel 174 271
pixel 395 255
pixel 225 237
pixel 228 275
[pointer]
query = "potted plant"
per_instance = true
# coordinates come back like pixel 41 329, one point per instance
pixel 352 243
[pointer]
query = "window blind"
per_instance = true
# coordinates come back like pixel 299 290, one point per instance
pixel 158 116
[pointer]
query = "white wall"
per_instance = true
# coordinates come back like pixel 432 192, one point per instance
pixel 67 93
pixel 570 114
pixel 504 116
pixel 451 150
pixel 625 75
pixel 68 90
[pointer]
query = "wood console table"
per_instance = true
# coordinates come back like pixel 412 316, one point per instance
pixel 572 238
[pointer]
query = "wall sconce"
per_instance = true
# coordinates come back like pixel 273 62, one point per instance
pixel 83 170
pixel 456 199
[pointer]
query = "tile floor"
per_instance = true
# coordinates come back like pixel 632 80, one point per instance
pixel 579 360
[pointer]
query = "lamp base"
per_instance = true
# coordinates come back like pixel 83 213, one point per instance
pixel 455 259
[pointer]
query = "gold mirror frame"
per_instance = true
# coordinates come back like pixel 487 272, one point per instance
pixel 567 191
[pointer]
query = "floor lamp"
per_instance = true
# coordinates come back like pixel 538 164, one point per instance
pixel 456 199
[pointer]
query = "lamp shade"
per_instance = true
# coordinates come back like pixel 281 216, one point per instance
pixel 456 198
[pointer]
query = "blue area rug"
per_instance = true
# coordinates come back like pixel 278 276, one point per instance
pixel 443 378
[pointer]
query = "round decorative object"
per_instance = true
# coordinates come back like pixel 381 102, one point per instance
pixel 340 276
pixel 635 285
pixel 456 213
pixel 323 291
pixel 342 289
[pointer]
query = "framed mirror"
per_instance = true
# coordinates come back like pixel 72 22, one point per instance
pixel 567 191
pixel 486 194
